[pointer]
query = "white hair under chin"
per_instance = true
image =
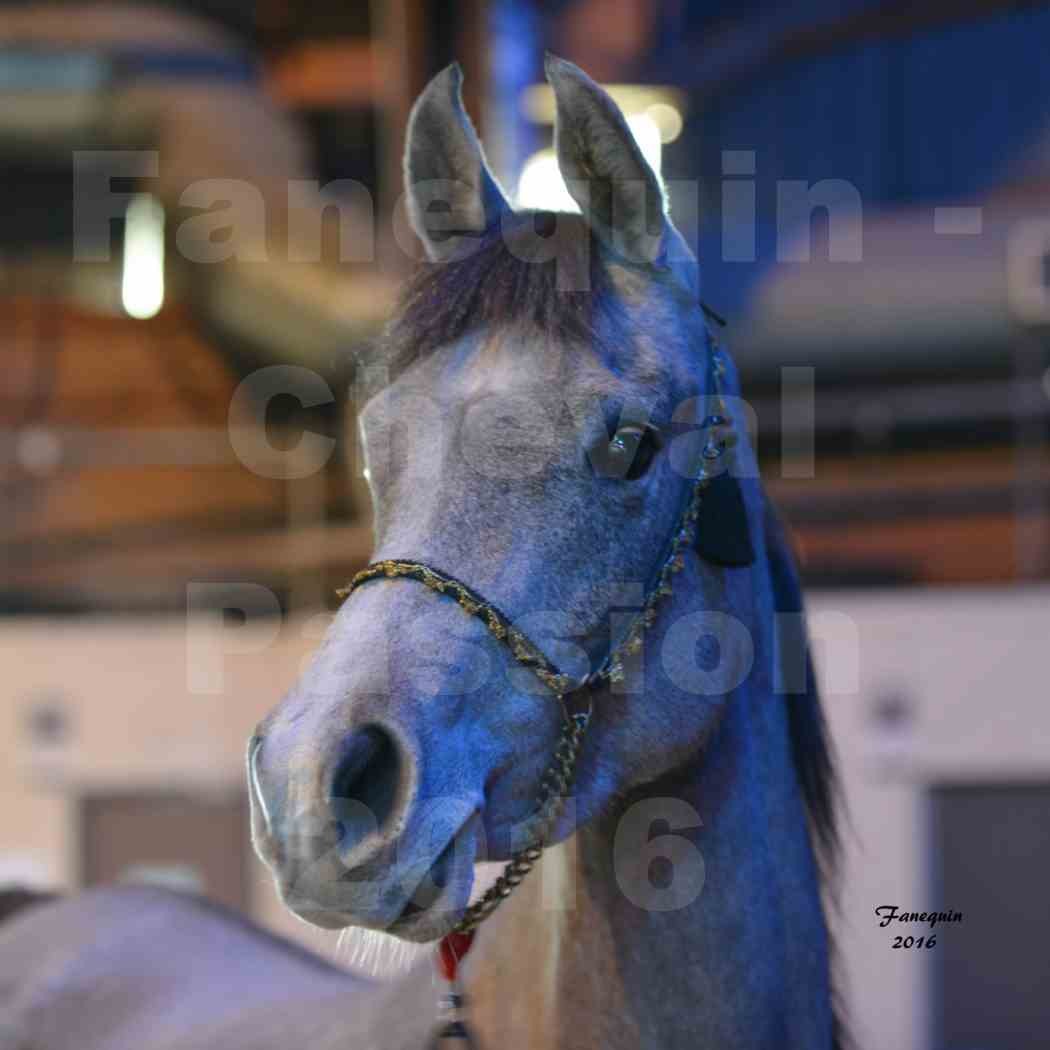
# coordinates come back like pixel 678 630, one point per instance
pixel 379 955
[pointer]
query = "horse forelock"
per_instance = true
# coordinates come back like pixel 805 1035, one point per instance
pixel 542 272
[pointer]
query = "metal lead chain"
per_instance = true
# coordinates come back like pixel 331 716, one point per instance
pixel 553 792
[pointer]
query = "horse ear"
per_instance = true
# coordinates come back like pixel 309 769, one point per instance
pixel 451 193
pixel 618 192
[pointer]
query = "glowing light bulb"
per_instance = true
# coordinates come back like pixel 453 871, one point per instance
pixel 142 281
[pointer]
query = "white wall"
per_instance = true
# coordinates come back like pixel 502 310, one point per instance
pixel 972 662
pixel 146 711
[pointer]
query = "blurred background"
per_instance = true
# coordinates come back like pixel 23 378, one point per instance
pixel 866 184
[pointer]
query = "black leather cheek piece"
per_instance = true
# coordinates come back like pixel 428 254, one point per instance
pixel 722 533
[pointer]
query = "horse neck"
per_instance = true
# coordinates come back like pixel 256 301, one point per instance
pixel 573 962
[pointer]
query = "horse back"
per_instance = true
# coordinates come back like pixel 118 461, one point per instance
pixel 138 967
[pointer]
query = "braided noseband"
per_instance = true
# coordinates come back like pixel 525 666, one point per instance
pixel 559 777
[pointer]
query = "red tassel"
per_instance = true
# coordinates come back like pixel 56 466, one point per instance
pixel 451 951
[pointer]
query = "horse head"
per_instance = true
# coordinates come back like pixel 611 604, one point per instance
pixel 533 433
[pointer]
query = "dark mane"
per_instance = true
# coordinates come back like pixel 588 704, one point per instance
pixel 543 272
pixel 811 750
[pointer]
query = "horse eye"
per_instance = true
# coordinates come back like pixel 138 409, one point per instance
pixel 628 454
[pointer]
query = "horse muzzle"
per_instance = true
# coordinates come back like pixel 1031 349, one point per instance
pixel 350 843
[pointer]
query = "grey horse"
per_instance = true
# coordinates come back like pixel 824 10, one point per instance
pixel 531 431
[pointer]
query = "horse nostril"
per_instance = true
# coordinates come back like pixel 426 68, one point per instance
pixel 364 785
